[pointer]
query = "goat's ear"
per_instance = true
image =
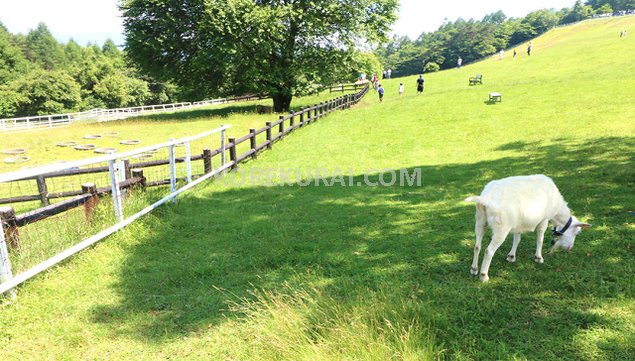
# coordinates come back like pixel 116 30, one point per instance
pixel 583 225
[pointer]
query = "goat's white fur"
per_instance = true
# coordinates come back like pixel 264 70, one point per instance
pixel 520 204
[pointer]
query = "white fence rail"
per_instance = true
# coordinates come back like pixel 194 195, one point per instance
pixel 116 177
pixel 11 125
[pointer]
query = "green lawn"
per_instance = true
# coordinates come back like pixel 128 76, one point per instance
pixel 376 273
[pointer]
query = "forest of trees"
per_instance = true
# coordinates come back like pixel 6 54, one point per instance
pixel 39 75
pixel 472 40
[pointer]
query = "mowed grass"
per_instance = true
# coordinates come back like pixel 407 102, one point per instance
pixel 41 146
pixel 374 273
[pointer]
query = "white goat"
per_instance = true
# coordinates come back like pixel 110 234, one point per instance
pixel 518 205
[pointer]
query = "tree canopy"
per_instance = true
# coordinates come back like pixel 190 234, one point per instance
pixel 280 48
pixel 39 75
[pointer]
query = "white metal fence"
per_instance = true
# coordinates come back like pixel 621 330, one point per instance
pixel 112 217
pixel 11 125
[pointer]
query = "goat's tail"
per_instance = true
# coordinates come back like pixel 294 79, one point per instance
pixel 480 202
pixel 474 199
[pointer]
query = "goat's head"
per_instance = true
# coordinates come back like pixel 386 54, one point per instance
pixel 565 237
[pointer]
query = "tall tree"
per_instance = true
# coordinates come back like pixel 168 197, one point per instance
pixel 44 92
pixel 12 62
pixel 275 47
pixel 43 49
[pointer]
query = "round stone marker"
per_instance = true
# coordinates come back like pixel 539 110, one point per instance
pixel 85 147
pixel 20 159
pixel 130 142
pixel 13 151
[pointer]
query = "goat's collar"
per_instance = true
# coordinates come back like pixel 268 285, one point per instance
pixel 559 233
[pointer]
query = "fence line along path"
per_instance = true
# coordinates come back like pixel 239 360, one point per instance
pixel 122 185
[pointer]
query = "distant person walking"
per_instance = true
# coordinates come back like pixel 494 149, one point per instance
pixel 514 53
pixel 400 89
pixel 389 72
pixel 500 54
pixel 420 84
pixel 380 91
pixel 529 46
pixel 459 62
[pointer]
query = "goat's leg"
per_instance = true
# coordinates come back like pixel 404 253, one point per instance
pixel 479 229
pixel 498 237
pixel 511 256
pixel 540 231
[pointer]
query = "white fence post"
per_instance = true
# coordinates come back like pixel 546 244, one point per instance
pixel 5 263
pixel 116 194
pixel 188 162
pixel 172 171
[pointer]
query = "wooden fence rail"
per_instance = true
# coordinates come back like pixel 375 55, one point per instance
pixel 346 87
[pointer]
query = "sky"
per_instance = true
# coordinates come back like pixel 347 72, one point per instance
pixel 95 21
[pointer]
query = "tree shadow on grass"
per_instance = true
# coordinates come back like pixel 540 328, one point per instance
pixel 408 243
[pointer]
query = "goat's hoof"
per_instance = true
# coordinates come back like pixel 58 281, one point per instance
pixel 511 258
pixel 474 271
pixel 539 259
pixel 484 277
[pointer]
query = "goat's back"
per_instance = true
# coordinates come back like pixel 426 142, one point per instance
pixel 521 201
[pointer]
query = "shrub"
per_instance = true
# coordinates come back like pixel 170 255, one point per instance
pixel 431 67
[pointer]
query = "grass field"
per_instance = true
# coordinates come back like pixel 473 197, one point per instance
pixel 152 129
pixel 374 273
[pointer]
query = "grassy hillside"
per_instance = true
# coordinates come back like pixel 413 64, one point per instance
pixel 372 272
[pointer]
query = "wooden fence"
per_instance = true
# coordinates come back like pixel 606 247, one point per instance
pixel 134 174
pixel 346 87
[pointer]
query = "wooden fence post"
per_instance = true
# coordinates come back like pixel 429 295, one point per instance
pixel 281 126
pixel 301 118
pixel 91 203
pixel 315 112
pixel 42 190
pixel 321 109
pixel 207 160
pixel 126 168
pixel 232 153
pixel 292 121
pixel 137 172
pixel 11 233
pixel 269 145
pixel 252 142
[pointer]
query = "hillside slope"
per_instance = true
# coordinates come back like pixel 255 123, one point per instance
pixel 251 271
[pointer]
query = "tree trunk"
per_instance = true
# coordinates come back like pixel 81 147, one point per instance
pixel 281 102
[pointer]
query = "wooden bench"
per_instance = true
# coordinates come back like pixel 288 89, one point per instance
pixel 495 97
pixel 478 79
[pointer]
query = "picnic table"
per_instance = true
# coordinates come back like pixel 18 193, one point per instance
pixel 495 97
